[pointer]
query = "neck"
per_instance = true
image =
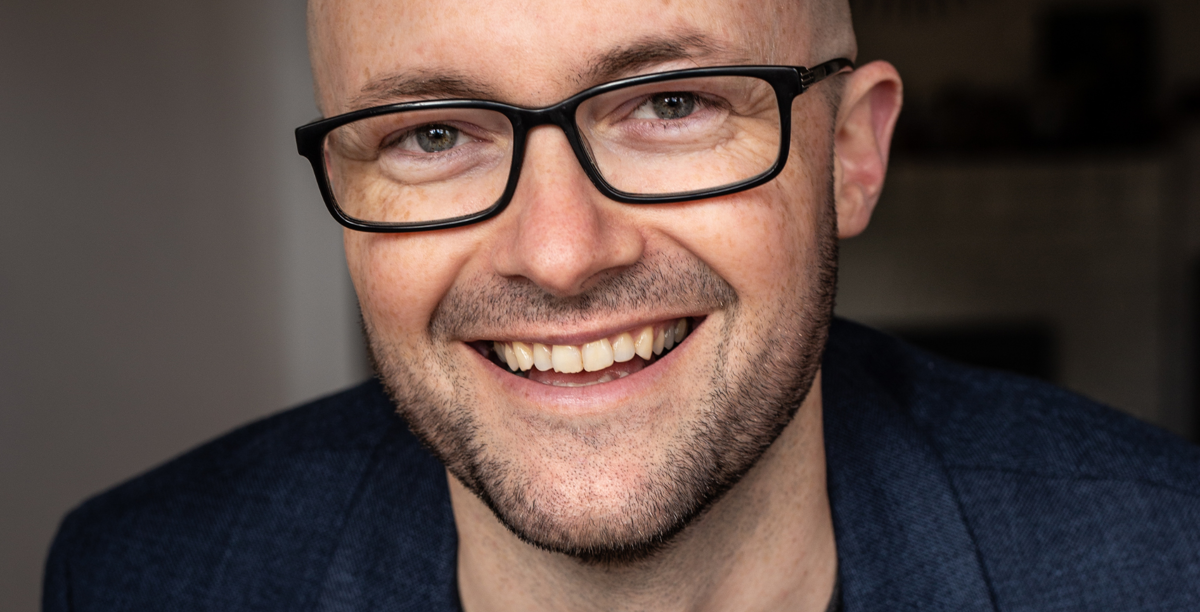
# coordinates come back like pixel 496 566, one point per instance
pixel 766 545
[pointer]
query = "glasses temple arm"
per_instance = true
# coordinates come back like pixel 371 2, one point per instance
pixel 814 75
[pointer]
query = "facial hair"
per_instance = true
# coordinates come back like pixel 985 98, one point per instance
pixel 744 408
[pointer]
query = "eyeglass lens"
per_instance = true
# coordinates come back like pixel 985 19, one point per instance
pixel 671 137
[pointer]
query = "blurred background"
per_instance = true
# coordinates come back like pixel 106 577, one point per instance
pixel 167 270
pixel 1042 212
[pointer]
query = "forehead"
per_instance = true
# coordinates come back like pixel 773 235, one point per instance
pixel 535 52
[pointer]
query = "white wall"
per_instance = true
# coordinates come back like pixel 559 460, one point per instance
pixel 167 271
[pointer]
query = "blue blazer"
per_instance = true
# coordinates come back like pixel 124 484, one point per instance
pixel 952 489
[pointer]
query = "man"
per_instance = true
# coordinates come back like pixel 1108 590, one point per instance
pixel 607 317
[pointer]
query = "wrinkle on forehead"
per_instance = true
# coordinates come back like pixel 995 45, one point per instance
pixel 422 85
pixel 628 59
pixel 606 66
pixel 710 32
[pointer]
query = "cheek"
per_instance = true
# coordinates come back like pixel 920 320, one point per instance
pixel 761 242
pixel 401 278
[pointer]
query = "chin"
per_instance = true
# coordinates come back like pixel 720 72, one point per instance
pixel 618 515
pixel 612 490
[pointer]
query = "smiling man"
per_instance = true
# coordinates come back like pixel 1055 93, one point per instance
pixel 595 249
pixel 633 305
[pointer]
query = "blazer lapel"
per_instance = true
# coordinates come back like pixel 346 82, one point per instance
pixel 901 539
pixel 399 548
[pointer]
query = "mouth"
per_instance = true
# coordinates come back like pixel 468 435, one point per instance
pixel 595 362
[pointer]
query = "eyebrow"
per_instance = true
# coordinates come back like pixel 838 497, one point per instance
pixel 622 61
pixel 607 66
pixel 444 85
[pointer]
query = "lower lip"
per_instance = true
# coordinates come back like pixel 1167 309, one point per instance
pixel 591 399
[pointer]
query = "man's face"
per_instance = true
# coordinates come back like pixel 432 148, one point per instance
pixel 579 463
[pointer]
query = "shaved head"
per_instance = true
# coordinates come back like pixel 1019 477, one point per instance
pixel 832 29
pixel 825 26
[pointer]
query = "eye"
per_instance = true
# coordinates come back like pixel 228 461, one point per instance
pixel 667 105
pixel 429 138
pixel 436 138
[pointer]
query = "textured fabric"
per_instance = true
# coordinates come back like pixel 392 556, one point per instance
pixel 954 488
pixel 951 489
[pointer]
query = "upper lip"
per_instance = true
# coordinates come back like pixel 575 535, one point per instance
pixel 577 337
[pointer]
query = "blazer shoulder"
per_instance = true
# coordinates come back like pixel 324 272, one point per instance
pixel 982 419
pixel 261 505
pixel 1071 505
pixel 344 424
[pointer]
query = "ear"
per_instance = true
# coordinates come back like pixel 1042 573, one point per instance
pixel 866 117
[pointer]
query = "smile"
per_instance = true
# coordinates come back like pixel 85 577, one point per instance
pixel 595 362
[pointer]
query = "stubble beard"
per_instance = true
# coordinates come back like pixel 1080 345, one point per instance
pixel 741 414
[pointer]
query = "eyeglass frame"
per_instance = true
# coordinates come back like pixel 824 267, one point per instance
pixel 789 82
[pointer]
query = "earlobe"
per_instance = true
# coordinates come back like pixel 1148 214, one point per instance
pixel 866 117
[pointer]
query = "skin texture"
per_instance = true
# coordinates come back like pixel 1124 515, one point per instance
pixel 588 460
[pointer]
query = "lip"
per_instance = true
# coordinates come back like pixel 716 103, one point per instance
pixel 593 399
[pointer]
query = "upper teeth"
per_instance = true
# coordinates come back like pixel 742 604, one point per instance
pixel 592 356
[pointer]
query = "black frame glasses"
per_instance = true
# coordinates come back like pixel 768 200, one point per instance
pixel 787 81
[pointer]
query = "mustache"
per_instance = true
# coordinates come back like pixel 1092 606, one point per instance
pixel 655 282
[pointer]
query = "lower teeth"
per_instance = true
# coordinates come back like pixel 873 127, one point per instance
pixel 602 379
pixel 607 377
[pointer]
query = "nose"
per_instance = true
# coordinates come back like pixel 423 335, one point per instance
pixel 559 231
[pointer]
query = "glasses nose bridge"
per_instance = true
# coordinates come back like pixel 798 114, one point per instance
pixel 557 115
pixel 562 116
